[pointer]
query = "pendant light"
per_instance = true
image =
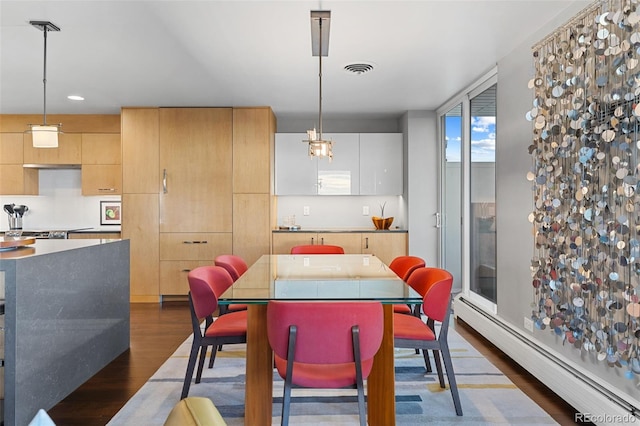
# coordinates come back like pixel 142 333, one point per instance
pixel 320 20
pixel 45 135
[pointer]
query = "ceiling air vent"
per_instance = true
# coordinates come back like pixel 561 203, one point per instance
pixel 359 68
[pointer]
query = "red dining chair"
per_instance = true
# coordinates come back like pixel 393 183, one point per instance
pixel 411 332
pixel 206 284
pixel 324 345
pixel 317 249
pixel 235 266
pixel 403 266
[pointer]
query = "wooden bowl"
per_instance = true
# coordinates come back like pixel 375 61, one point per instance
pixel 382 222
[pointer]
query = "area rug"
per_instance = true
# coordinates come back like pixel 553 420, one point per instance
pixel 488 397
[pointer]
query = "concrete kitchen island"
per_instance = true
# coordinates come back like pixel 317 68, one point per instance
pixel 66 317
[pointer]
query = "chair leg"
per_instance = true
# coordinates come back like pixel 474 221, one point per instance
pixel 203 356
pixel 361 406
pixel 436 360
pixel 427 361
pixel 286 403
pixel 193 355
pixel 451 377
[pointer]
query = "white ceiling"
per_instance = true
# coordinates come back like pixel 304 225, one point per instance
pixel 251 53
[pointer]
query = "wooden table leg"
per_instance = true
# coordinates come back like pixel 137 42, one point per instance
pixel 381 392
pixel 258 401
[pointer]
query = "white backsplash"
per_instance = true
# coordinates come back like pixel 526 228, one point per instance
pixel 341 212
pixel 60 204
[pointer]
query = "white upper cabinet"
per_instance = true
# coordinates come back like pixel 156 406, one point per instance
pixel 363 164
pixel 296 172
pixel 381 164
pixel 341 176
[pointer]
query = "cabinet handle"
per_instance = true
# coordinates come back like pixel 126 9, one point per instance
pixel 438 220
pixel 164 181
pixel 366 242
pixel 322 241
pixel 107 189
pixel 312 241
pixel 195 242
pixel 186 270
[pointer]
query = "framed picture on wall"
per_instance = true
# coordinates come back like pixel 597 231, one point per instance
pixel 110 212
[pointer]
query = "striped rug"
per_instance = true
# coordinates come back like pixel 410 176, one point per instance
pixel 488 397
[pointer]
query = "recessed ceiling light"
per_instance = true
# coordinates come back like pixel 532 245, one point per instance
pixel 75 97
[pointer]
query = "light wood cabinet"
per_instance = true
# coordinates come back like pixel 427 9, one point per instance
pixel 69 151
pixel 384 245
pixel 253 150
pixel 14 179
pixel 253 200
pixel 101 148
pixel 349 241
pixel 140 150
pixel 208 174
pixel 101 179
pixel 140 222
pixel 196 167
pixel 181 252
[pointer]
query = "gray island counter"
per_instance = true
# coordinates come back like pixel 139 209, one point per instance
pixel 66 317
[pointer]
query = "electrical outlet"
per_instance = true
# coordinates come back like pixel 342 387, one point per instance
pixel 365 210
pixel 305 210
pixel 528 324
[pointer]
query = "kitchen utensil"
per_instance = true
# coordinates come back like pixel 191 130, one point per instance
pixel 9 208
pixel 20 210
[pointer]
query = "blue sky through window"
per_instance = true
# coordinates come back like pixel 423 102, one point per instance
pixel 483 138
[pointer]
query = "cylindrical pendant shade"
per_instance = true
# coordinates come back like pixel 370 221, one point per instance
pixel 45 136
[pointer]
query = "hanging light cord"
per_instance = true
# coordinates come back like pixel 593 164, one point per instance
pixel 44 74
pixel 320 75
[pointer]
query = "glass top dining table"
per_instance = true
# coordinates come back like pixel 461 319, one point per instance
pixel 336 277
pixel 324 277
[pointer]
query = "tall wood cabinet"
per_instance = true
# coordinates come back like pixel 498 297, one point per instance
pixel 212 193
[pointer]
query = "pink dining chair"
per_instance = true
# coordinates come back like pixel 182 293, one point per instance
pixel 206 284
pixel 317 249
pixel 410 331
pixel 324 345
pixel 235 266
pixel 403 266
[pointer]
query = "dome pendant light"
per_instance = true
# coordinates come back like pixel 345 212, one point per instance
pixel 320 20
pixel 45 135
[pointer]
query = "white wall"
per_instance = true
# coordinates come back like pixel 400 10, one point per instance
pixel 422 185
pixel 60 204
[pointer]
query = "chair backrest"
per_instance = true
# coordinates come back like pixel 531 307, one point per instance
pixel 437 297
pixel 206 284
pixel 324 330
pixel 235 265
pixel 403 266
pixel 421 279
pixel 317 249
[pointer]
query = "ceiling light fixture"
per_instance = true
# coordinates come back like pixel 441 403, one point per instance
pixel 320 20
pixel 45 135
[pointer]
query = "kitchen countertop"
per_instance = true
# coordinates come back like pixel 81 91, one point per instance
pixel 49 246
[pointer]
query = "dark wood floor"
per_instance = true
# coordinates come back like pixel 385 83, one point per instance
pixel 156 332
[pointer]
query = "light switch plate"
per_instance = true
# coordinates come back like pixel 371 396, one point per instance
pixel 305 210
pixel 365 210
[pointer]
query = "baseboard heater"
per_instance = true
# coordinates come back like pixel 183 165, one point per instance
pixel 596 402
